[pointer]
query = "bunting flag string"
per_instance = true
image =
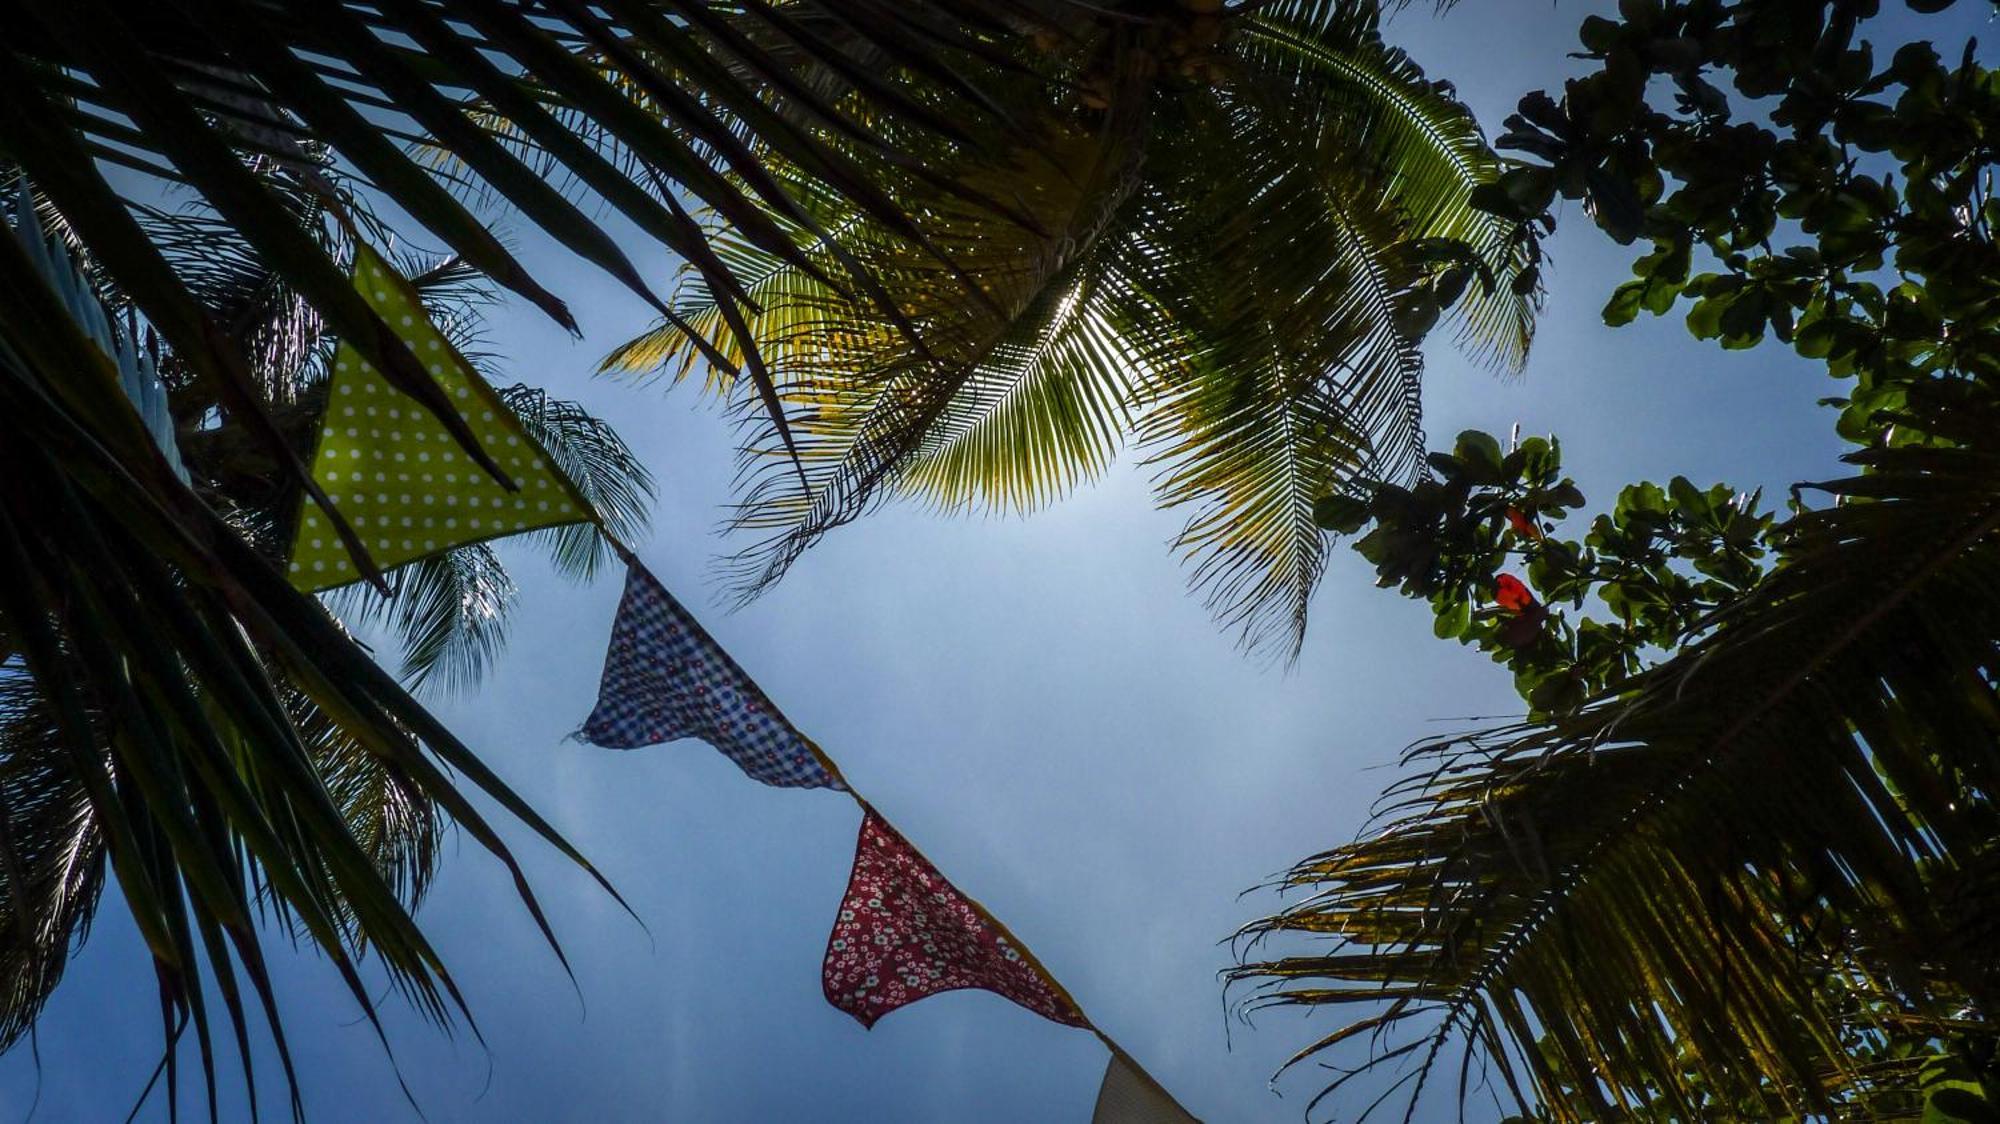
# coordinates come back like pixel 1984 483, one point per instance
pixel 396 473
pixel 405 486
pixel 903 931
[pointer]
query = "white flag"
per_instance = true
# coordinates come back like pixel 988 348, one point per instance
pixel 1130 1097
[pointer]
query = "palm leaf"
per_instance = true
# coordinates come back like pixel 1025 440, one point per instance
pixel 604 469
pixel 868 408
pixel 449 611
pixel 1240 274
pixel 51 855
pixel 1049 409
pixel 1301 369
pixel 395 822
pixel 1428 147
pixel 662 112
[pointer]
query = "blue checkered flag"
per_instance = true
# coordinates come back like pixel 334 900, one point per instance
pixel 665 678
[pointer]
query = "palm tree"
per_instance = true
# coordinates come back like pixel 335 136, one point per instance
pixel 170 659
pixel 187 691
pixel 1229 248
pixel 449 611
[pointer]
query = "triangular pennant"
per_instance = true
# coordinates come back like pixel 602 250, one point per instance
pixel 904 933
pixel 666 678
pixel 403 482
pixel 1128 1096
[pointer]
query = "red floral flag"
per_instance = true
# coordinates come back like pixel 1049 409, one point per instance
pixel 904 933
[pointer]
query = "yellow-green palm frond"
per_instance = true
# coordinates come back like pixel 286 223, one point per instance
pixel 1427 145
pixel 783 302
pixel 1230 257
pixel 872 406
pixel 874 415
pixel 1049 409
pixel 1297 367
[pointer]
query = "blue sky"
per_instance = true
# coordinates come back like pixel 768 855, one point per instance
pixel 1037 703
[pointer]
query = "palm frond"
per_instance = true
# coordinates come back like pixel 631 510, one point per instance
pixel 52 849
pixel 1656 885
pixel 278 331
pixel 1428 148
pixel 1299 366
pixel 1048 409
pixel 604 469
pixel 867 406
pixel 1237 265
pixel 670 108
pixel 396 823
pixel 51 855
pixel 448 610
pixel 785 298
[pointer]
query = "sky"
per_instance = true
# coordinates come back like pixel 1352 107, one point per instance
pixel 1037 703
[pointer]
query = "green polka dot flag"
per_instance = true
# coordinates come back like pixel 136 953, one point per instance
pixel 399 477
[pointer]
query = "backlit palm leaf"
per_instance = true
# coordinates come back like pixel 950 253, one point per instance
pixel 1046 411
pixel 396 823
pixel 1301 368
pixel 51 855
pixel 449 610
pixel 1225 265
pixel 866 406
pixel 1426 143
pixel 617 485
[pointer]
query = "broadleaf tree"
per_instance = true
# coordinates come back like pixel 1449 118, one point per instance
pixel 1741 857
